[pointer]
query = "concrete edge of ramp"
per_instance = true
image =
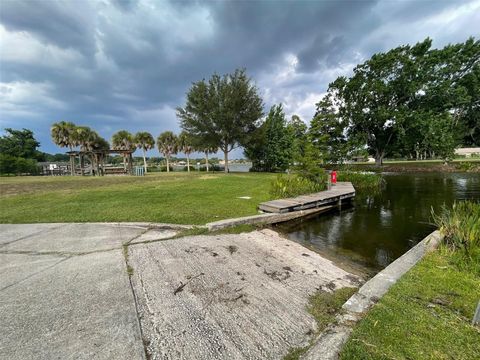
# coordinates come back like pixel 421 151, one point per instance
pixel 330 342
pixel 126 224
pixel 265 219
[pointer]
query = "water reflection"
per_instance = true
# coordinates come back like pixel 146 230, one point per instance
pixel 378 228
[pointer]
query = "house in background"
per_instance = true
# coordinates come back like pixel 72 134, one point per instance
pixel 468 152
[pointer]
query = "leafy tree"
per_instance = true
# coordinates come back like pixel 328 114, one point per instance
pixel 63 135
pixel 123 140
pixel 223 110
pixel 396 99
pixel 254 148
pixel 328 132
pixel 19 143
pixel 186 145
pixel 278 144
pixel 144 140
pixel 167 144
pixel 298 132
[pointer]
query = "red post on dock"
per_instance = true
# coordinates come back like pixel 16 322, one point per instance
pixel 333 177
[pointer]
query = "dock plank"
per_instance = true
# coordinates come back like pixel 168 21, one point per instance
pixel 343 190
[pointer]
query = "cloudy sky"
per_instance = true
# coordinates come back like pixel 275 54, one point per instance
pixel 116 64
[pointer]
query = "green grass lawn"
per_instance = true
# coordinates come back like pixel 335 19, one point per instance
pixel 173 198
pixel 426 315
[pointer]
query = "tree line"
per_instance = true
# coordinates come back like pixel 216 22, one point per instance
pixel 412 102
pixel 68 135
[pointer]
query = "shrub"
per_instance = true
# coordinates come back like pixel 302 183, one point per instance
pixel 460 225
pixel 362 181
pixel 211 167
pixel 192 168
pixel 293 185
pixel 467 166
pixel 163 168
pixel 17 165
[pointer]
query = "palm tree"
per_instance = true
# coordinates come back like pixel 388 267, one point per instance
pixel 123 140
pixel 185 145
pixel 92 144
pixel 208 149
pixel 167 144
pixel 63 135
pixel 144 140
pixel 82 135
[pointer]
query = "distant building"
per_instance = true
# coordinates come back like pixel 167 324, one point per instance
pixel 54 168
pixel 468 152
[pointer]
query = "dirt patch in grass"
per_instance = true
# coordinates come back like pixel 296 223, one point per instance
pixel 324 306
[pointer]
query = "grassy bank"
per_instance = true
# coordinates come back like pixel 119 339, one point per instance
pixel 428 313
pixel 174 198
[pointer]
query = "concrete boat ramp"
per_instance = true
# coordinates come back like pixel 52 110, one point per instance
pixel 124 291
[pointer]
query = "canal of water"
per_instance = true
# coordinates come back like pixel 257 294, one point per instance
pixel 376 229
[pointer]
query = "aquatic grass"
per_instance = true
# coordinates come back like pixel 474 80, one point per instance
pixel 460 225
pixel 362 181
pixel 291 185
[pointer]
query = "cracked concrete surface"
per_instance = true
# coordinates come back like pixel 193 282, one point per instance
pixel 65 293
pixel 229 296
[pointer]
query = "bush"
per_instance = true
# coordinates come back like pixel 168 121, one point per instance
pixel 163 168
pixel 467 166
pixel 211 167
pixel 17 165
pixel 192 168
pixel 362 181
pixel 460 225
pixel 293 185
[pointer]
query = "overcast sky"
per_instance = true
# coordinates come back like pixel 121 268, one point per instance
pixel 121 64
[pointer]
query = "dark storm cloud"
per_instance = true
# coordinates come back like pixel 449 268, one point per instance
pixel 127 64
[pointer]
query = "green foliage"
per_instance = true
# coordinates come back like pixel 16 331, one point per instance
pixel 291 185
pixel 18 152
pixel 19 143
pixel 123 140
pixel 328 132
pixel 167 143
pixel 324 305
pixel 309 164
pixel 63 134
pixel 222 111
pixel 270 146
pixel 467 166
pixel 163 168
pixel 17 166
pixel 427 314
pixel 461 226
pixel 410 101
pixel 298 132
pixel 144 140
pixel 362 182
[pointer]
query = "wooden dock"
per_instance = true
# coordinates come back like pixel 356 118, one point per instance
pixel 338 192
